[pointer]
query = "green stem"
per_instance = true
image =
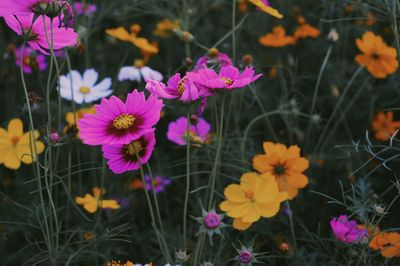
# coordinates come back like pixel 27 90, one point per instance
pixel 33 151
pixel 234 31
pixel 218 153
pixel 316 89
pixel 290 214
pixel 187 190
pixel 163 248
pixel 336 108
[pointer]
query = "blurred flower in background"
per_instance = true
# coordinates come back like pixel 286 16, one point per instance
pixel 83 88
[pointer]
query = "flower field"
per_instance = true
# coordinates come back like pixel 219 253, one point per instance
pixel 199 132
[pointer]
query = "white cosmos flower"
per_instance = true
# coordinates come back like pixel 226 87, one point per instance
pixel 133 73
pixel 84 87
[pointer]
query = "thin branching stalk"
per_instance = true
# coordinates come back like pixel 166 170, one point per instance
pixel 33 150
pixel 336 108
pixel 161 243
pixel 316 90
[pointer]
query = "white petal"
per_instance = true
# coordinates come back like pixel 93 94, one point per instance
pixel 76 77
pixel 78 97
pixel 129 73
pixel 94 96
pixel 105 84
pixel 90 77
pixel 149 73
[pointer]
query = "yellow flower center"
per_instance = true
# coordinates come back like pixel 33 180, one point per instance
pixel 27 60
pixel 139 63
pixel 15 140
pixel 227 81
pixel 124 121
pixel 134 147
pixel 249 194
pixel 84 90
pixel 181 86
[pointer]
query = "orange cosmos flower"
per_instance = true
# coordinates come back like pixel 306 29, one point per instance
pixel 266 8
pixel 305 30
pixel 388 243
pixel 257 196
pixel 285 164
pixel 277 38
pixel 379 59
pixel 122 34
pixel 92 203
pixel 384 126
pixel 165 28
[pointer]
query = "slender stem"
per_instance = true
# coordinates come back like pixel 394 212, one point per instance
pixel 33 151
pixel 395 28
pixel 49 166
pixel 218 153
pixel 342 97
pixel 234 31
pixel 187 190
pixel 290 215
pixel 198 250
pixel 316 89
pixel 153 190
pixel 163 248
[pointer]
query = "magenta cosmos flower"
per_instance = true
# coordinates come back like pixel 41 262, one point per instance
pixel 84 8
pixel 123 157
pixel 31 60
pixel 35 32
pixel 116 122
pixel 228 78
pixel 221 59
pixel 347 231
pixel 177 131
pixel 179 88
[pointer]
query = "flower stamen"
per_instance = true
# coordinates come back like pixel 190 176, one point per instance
pixel 124 121
pixel 84 90
pixel 15 140
pixel 134 147
pixel 227 81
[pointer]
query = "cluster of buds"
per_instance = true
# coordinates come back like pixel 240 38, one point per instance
pixel 55 8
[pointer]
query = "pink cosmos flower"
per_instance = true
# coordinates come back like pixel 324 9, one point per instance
pixel 31 60
pixel 221 59
pixel 116 122
pixel 179 88
pixel 347 231
pixel 228 78
pixel 35 32
pixel 84 8
pixel 123 157
pixel 50 8
pixel 177 131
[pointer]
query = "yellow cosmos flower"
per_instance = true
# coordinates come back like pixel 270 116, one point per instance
pixel 122 34
pixel 16 146
pixel 257 196
pixel 285 164
pixel 72 117
pixel 266 8
pixel 92 203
